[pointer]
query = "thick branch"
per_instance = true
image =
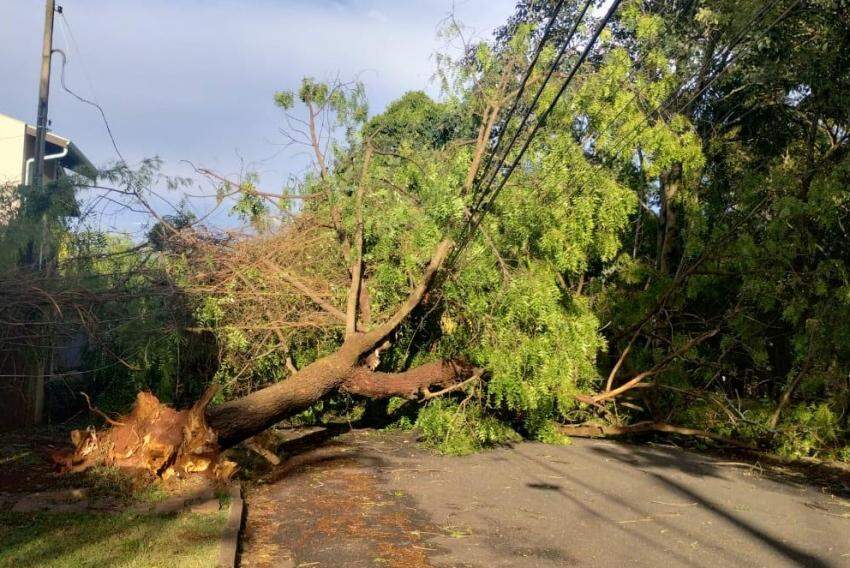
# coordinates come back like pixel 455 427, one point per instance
pixel 446 374
pixel 785 399
pixel 490 115
pixel 357 266
pixel 315 142
pixel 613 374
pixel 640 377
pixel 428 395
pixel 366 342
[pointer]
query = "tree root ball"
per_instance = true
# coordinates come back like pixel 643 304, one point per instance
pixel 154 438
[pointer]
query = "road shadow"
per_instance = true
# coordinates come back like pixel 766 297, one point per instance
pixel 718 464
pixel 601 513
pixel 661 458
pixel 791 553
pixel 680 462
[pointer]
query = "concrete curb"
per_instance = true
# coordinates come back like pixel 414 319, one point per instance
pixel 230 535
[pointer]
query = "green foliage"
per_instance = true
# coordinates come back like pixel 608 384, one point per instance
pixel 416 121
pixel 548 433
pixel 540 347
pixel 38 220
pixel 458 429
pixel 622 235
pixel 808 430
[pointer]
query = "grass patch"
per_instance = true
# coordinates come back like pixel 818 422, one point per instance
pixel 125 540
pixel 112 483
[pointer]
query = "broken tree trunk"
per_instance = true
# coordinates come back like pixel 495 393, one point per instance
pixel 166 441
pixel 153 438
pixel 240 419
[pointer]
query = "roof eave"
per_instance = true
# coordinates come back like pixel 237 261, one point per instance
pixel 78 161
pixel 83 166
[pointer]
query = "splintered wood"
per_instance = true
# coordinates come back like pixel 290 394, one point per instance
pixel 154 438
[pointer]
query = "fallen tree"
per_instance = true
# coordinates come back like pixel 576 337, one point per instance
pixel 164 441
pixel 342 293
pixel 277 285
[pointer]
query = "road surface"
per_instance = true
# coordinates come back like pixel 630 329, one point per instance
pixel 369 498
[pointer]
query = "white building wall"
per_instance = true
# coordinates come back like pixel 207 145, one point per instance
pixel 12 137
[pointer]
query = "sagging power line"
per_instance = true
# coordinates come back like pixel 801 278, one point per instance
pixel 489 196
pixel 75 46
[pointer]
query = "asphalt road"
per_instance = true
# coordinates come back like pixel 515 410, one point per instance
pixel 376 499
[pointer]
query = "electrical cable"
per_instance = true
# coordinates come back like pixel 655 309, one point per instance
pixel 481 191
pixel 478 214
pixel 529 70
pixel 83 99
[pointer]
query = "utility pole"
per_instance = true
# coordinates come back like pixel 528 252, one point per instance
pixel 35 378
pixel 43 94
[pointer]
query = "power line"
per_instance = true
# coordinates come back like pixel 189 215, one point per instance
pixel 71 40
pixel 480 192
pixel 83 99
pixel 88 102
pixel 529 70
pixel 478 214
pixel 736 41
pixel 760 15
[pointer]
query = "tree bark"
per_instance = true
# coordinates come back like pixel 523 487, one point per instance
pixel 365 382
pixel 240 419
pixel 670 185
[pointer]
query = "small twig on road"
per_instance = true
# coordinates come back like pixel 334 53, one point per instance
pixel 675 504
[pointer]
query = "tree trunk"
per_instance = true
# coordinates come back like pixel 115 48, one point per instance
pixel 161 440
pixel 670 186
pixel 240 419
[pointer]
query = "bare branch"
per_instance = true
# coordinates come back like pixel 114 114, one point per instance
pixel 304 289
pixel 357 266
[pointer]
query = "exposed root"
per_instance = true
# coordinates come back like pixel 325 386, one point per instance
pixel 154 438
pixel 99 412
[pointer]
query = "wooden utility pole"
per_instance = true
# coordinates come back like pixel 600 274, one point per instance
pixel 43 94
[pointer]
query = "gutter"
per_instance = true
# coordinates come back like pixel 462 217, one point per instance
pixel 48 157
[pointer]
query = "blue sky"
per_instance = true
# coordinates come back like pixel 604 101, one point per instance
pixel 193 80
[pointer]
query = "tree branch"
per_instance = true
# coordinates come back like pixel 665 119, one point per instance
pixel 449 374
pixel 639 378
pixel 304 289
pixel 357 266
pixel 365 342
